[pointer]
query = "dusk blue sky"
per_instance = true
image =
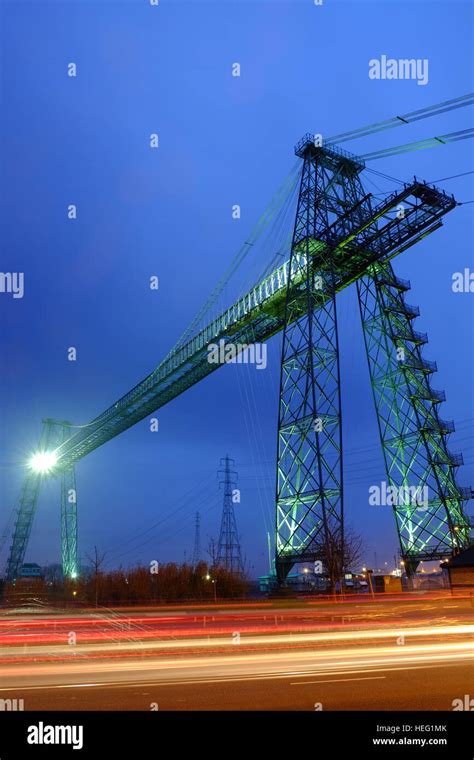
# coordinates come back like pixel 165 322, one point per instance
pixel 223 140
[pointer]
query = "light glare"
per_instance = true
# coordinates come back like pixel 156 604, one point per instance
pixel 43 461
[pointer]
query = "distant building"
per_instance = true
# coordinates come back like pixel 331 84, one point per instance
pixel 388 583
pixel 30 570
pixel 297 581
pixel 461 569
pixel 306 581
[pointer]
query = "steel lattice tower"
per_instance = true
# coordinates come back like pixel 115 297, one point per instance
pixel 338 235
pixel 228 549
pixel 53 434
pixel 197 541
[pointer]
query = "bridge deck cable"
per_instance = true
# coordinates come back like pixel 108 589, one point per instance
pixel 408 118
pixel 257 231
pixel 431 142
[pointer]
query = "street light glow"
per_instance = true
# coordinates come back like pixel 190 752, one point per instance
pixel 43 461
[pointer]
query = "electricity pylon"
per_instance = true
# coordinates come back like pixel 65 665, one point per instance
pixel 228 548
pixel 339 235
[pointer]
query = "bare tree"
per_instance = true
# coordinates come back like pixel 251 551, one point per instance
pixel 338 552
pixel 96 560
pixel 53 572
pixel 212 551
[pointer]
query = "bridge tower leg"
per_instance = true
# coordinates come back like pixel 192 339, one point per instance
pixel 53 433
pixel 69 559
pixel 69 524
pixel 309 490
pixel 428 504
pixel 23 524
pixel 27 507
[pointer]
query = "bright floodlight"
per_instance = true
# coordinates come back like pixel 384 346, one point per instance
pixel 43 461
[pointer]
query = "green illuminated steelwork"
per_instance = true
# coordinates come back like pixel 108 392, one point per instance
pixel 337 228
pixel 413 436
pixel 340 237
pixel 27 505
pixel 309 504
pixel 52 435
pixel 69 519
pixel 69 523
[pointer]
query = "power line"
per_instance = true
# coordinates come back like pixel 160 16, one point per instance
pixel 165 537
pixel 197 541
pixel 184 502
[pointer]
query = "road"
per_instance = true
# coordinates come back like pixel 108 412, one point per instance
pixel 400 654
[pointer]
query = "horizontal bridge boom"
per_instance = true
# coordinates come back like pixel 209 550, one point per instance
pixel 344 251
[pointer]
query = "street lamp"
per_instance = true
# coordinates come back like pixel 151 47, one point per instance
pixel 213 580
pixel 43 461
